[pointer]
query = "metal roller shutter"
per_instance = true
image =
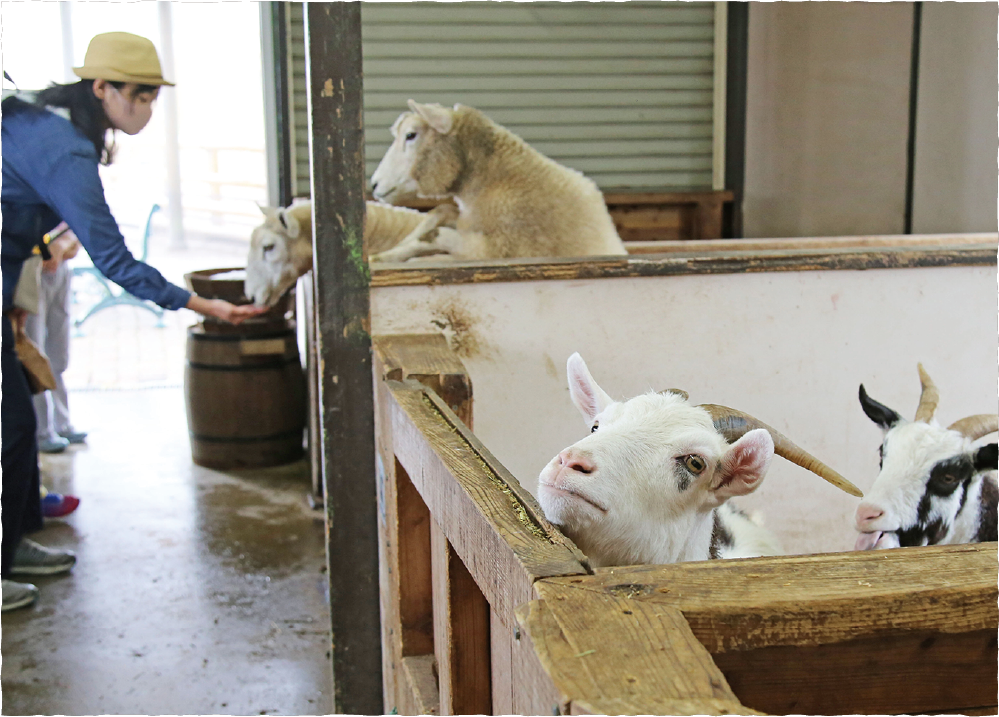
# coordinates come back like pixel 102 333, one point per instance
pixel 623 92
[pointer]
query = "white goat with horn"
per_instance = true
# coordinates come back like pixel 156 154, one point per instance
pixel 651 481
pixel 934 487
pixel 512 201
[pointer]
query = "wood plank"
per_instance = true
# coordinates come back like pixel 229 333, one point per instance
pixel 500 536
pixel 422 686
pixel 501 665
pixel 728 245
pixel 913 672
pixel 333 44
pixel 427 358
pixel 395 693
pixel 461 633
pixel 534 692
pixel 610 654
pixel 736 605
pixel 412 568
pixel 686 263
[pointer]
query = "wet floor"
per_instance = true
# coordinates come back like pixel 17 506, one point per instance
pixel 195 591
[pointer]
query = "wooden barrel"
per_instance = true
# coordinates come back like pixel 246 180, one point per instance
pixel 246 398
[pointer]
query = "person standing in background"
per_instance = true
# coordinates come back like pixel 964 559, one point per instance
pixel 50 329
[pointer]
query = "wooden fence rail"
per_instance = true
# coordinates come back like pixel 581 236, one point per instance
pixel 488 608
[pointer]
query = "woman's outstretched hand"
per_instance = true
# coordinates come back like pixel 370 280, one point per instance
pixel 224 310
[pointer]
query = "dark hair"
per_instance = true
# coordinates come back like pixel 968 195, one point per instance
pixel 86 111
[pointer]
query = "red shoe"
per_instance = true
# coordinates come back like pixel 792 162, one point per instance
pixel 56 505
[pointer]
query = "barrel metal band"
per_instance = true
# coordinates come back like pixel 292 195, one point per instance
pixel 269 366
pixel 246 439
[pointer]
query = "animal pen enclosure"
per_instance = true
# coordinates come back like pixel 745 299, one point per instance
pixel 485 606
pixel 488 609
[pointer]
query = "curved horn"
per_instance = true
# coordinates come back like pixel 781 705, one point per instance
pixel 733 425
pixel 974 427
pixel 678 391
pixel 928 399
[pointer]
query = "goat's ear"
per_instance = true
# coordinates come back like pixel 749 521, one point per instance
pixel 878 412
pixel 744 465
pixel 987 458
pixel 589 398
pixel 265 210
pixel 439 118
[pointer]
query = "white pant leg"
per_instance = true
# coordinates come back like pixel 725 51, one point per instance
pixel 57 335
pixel 34 327
pixel 49 328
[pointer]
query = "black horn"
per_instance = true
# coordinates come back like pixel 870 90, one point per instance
pixel 878 412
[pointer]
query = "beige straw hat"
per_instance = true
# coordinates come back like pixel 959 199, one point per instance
pixel 122 57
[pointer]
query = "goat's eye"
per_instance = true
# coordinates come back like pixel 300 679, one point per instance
pixel 949 479
pixel 268 247
pixel 694 464
pixel 595 427
pixel 410 135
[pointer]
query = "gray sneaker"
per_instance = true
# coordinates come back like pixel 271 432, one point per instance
pixel 30 558
pixel 17 595
pixel 52 444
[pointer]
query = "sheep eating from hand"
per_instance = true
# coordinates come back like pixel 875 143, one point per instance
pixel 281 247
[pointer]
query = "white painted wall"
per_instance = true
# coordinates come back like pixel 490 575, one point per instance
pixel 957 138
pixel 789 347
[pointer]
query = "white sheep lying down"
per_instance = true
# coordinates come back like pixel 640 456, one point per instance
pixel 512 201
pixel 650 484
pixel 281 247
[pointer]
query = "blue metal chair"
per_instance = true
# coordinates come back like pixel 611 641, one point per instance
pixel 110 297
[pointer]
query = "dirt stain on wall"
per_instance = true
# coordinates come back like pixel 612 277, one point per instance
pixel 550 366
pixel 460 325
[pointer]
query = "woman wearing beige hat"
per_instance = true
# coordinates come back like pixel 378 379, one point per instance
pixel 51 150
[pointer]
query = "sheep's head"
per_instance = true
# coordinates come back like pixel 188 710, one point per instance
pixel 424 158
pixel 280 252
pixel 631 491
pixel 926 473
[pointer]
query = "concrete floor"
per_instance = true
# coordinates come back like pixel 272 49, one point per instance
pixel 195 591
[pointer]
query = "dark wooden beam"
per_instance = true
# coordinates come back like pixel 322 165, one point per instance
pixel 735 115
pixel 333 42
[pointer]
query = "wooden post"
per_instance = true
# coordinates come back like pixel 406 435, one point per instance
pixel 333 46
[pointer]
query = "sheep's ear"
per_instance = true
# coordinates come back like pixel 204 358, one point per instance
pixel 589 398
pixel 290 223
pixel 878 412
pixel 744 465
pixel 439 118
pixel 394 129
pixel 987 457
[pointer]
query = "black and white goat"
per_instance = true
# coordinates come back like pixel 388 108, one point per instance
pixel 651 481
pixel 935 487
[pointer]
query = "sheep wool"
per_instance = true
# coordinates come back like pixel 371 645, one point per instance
pixel 512 201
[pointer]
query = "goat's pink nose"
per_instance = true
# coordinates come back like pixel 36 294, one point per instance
pixel 867 512
pixel 572 462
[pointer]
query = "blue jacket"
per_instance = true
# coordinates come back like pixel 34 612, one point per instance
pixel 50 175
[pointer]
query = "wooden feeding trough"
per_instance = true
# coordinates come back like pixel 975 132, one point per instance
pixel 488 609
